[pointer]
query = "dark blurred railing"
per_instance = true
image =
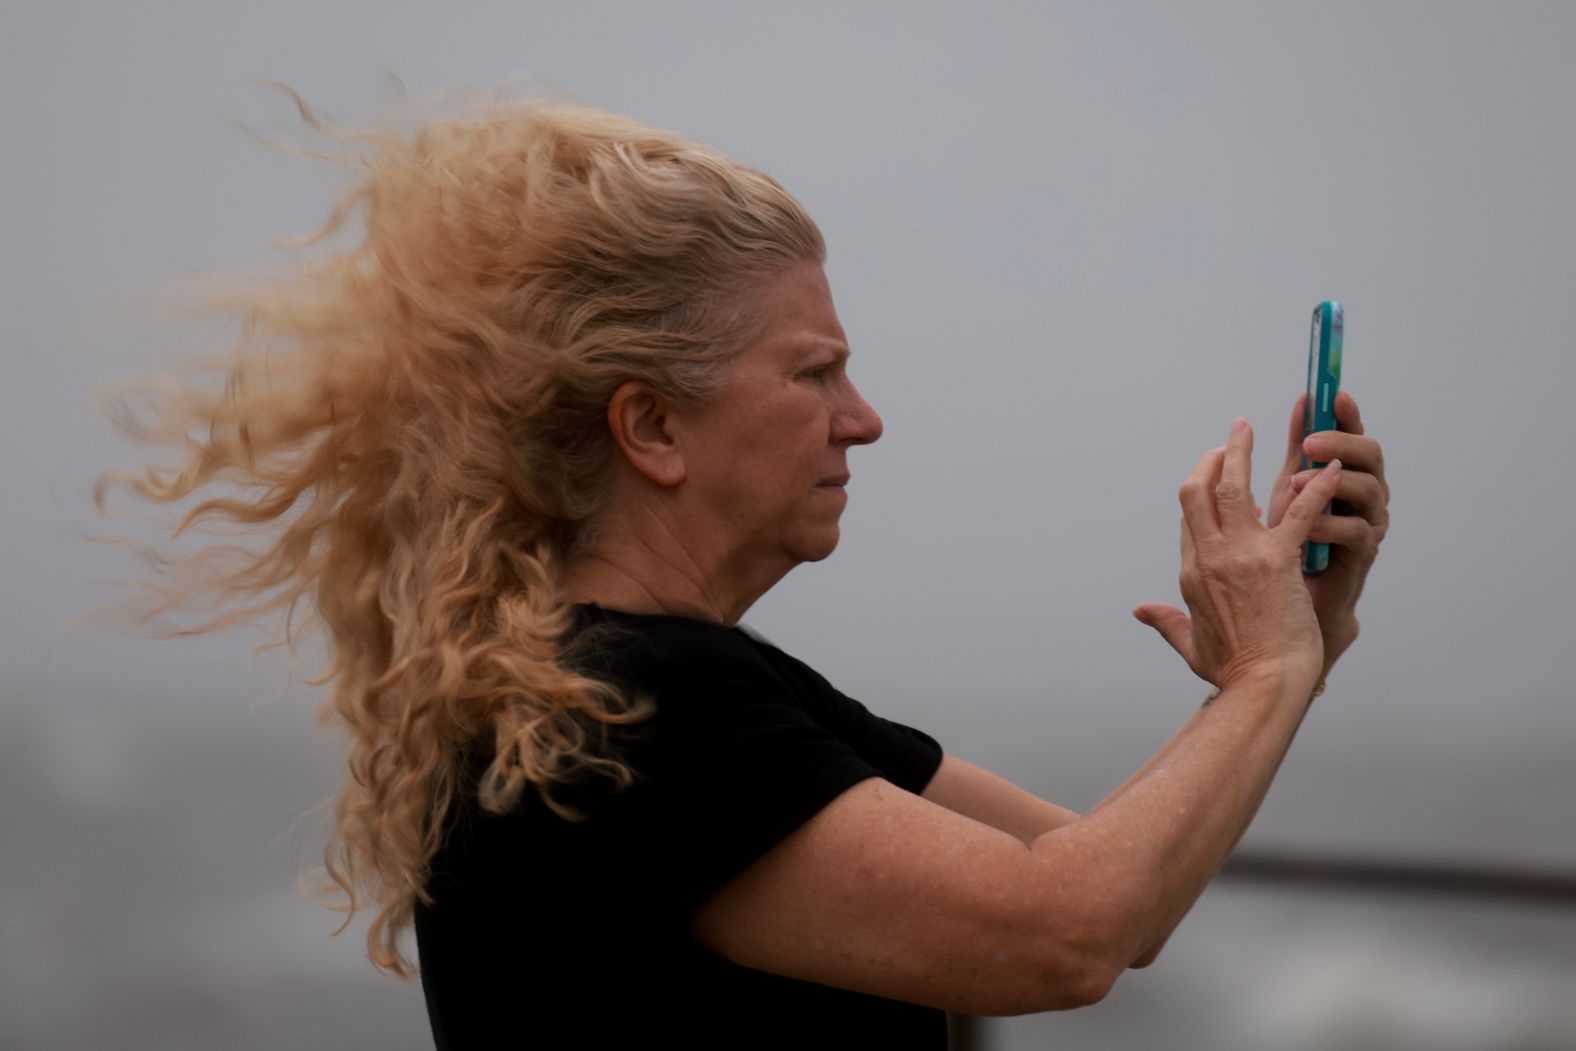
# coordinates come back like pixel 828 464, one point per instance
pixel 1518 884
pixel 1508 883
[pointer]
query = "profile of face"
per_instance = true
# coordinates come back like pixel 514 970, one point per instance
pixel 766 458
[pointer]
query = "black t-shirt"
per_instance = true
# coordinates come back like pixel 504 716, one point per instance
pixel 548 933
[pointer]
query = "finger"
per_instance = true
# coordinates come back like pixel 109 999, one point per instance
pixel 1175 626
pixel 1310 503
pixel 1295 436
pixel 1234 491
pixel 1346 531
pixel 1367 455
pixel 1358 452
pixel 1197 495
pixel 1362 492
pixel 1347 418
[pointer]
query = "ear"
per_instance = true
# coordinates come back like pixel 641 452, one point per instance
pixel 641 422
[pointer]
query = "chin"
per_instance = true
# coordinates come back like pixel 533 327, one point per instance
pixel 821 551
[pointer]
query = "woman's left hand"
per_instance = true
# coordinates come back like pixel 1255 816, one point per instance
pixel 1357 525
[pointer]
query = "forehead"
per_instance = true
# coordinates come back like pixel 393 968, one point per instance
pixel 802 318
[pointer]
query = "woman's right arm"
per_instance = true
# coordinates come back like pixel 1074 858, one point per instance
pixel 886 893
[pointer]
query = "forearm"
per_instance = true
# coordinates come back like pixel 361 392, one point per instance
pixel 1155 760
pixel 1165 749
pixel 1153 951
pixel 1149 849
pixel 975 792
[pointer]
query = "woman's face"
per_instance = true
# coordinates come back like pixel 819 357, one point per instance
pixel 768 454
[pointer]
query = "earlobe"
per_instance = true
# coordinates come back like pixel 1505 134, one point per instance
pixel 640 423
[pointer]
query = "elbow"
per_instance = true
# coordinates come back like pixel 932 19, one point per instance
pixel 1068 987
pixel 1081 937
pixel 1068 978
pixel 1146 959
pixel 1092 983
pixel 1050 976
pixel 1150 955
pixel 1080 959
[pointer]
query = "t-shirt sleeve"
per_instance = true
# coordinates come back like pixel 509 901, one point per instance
pixel 906 756
pixel 737 759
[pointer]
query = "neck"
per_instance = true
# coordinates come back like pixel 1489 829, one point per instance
pixel 639 583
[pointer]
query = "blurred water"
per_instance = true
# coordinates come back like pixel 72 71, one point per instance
pixel 154 907
pixel 1269 970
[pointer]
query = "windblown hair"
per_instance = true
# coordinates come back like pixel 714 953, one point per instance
pixel 436 398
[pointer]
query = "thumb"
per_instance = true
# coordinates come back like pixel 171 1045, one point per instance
pixel 1294 436
pixel 1173 625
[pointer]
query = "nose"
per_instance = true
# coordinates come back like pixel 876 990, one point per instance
pixel 858 422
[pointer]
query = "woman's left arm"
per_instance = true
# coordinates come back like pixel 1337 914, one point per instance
pixel 975 792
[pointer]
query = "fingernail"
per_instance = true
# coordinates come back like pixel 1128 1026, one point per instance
pixel 1316 446
pixel 1333 467
pixel 1238 426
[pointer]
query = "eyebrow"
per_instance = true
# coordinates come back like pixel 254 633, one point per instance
pixel 843 353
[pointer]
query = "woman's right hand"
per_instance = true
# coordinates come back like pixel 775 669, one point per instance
pixel 1243 584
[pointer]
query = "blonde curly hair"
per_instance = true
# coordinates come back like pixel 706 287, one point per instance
pixel 436 398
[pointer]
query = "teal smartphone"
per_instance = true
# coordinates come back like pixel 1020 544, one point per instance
pixel 1324 380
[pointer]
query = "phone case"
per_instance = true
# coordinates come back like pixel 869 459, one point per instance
pixel 1324 380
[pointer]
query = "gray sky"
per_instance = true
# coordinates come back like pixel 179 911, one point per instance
pixel 1069 243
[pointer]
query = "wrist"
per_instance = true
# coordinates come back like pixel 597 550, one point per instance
pixel 1299 679
pixel 1338 638
pixel 1287 685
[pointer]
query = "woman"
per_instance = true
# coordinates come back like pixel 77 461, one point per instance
pixel 577 401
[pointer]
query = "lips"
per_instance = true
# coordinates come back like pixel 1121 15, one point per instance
pixel 836 481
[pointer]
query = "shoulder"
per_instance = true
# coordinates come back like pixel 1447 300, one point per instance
pixel 652 651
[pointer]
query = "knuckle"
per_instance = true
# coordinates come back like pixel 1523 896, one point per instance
pixel 1373 536
pixel 1225 570
pixel 1228 491
pixel 1266 560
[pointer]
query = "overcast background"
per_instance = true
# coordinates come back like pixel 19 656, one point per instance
pixel 1069 243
